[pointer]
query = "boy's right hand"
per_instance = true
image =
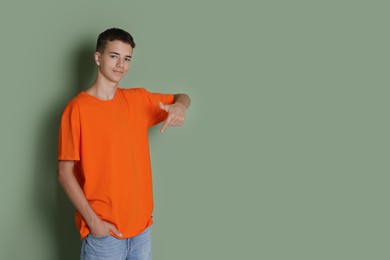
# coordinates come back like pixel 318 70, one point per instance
pixel 101 228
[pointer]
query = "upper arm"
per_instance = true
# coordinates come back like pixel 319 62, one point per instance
pixel 65 166
pixel 70 133
pixel 154 113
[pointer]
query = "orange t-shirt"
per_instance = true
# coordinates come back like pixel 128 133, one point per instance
pixel 108 140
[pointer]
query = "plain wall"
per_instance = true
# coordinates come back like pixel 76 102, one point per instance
pixel 285 150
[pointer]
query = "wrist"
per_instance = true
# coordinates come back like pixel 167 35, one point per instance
pixel 91 218
pixel 180 104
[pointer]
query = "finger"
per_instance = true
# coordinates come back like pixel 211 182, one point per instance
pixel 165 125
pixel 173 123
pixel 115 231
pixel 164 107
pixel 177 122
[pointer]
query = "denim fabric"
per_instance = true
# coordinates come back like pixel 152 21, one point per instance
pixel 111 248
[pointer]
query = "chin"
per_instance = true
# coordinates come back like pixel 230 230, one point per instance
pixel 116 79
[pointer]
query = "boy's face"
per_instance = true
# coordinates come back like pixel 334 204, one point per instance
pixel 114 62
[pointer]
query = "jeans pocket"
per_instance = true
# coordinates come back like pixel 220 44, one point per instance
pixel 99 237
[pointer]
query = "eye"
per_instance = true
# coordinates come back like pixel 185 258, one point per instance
pixel 128 59
pixel 113 56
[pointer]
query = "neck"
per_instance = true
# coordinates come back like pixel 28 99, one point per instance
pixel 103 89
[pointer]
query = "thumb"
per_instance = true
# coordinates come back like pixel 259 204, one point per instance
pixel 163 107
pixel 115 231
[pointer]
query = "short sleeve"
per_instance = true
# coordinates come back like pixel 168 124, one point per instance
pixel 69 136
pixel 154 112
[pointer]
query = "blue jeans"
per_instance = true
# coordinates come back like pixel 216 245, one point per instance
pixel 110 248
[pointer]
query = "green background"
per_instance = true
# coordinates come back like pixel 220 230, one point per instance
pixel 285 150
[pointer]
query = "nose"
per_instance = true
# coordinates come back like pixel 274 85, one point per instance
pixel 119 63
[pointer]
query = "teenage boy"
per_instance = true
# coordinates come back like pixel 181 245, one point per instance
pixel 103 154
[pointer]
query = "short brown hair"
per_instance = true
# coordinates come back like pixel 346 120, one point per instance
pixel 112 35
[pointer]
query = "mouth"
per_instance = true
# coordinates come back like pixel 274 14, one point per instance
pixel 118 72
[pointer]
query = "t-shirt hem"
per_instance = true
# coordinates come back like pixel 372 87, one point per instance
pixel 82 236
pixel 64 158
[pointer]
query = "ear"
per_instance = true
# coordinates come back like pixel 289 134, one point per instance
pixel 97 58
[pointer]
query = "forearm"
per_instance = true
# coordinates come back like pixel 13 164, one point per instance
pixel 184 99
pixel 74 192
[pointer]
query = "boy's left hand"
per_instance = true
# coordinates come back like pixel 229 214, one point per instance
pixel 176 115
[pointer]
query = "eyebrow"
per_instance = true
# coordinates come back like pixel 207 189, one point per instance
pixel 113 52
